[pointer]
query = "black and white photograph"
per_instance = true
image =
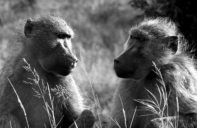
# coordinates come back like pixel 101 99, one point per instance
pixel 98 64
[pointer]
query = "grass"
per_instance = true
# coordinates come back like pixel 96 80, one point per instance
pixel 21 105
pixel 159 105
pixel 43 91
pixel 125 117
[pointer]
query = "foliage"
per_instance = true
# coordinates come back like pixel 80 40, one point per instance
pixel 159 105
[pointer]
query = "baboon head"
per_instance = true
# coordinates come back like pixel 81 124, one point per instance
pixel 49 43
pixel 141 49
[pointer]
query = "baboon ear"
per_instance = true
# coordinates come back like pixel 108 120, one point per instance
pixel 28 28
pixel 172 42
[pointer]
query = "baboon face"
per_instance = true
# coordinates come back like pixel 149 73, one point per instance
pixel 140 50
pixel 50 43
pixel 132 63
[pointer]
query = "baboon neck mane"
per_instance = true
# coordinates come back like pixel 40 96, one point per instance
pixel 181 75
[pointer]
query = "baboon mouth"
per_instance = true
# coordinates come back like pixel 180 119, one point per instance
pixel 123 73
pixel 65 72
pixel 62 70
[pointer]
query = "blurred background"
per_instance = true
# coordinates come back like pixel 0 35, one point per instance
pixel 101 28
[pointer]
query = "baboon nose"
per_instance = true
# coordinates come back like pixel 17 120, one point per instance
pixel 116 61
pixel 73 64
pixel 76 60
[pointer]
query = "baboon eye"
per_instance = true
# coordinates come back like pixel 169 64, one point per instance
pixel 137 38
pixel 63 35
pixel 134 37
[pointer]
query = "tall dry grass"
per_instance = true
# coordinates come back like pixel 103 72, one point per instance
pixel 42 91
pixel 159 105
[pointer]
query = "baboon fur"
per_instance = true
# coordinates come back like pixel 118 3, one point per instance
pixel 47 48
pixel 154 52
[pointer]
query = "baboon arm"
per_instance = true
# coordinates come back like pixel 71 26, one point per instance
pixel 85 120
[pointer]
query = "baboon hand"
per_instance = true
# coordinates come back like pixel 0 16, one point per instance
pixel 85 120
pixel 161 123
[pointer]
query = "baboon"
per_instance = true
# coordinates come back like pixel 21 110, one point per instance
pixel 159 78
pixel 47 49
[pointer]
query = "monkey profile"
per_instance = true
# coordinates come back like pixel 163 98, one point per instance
pixel 47 49
pixel 154 44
